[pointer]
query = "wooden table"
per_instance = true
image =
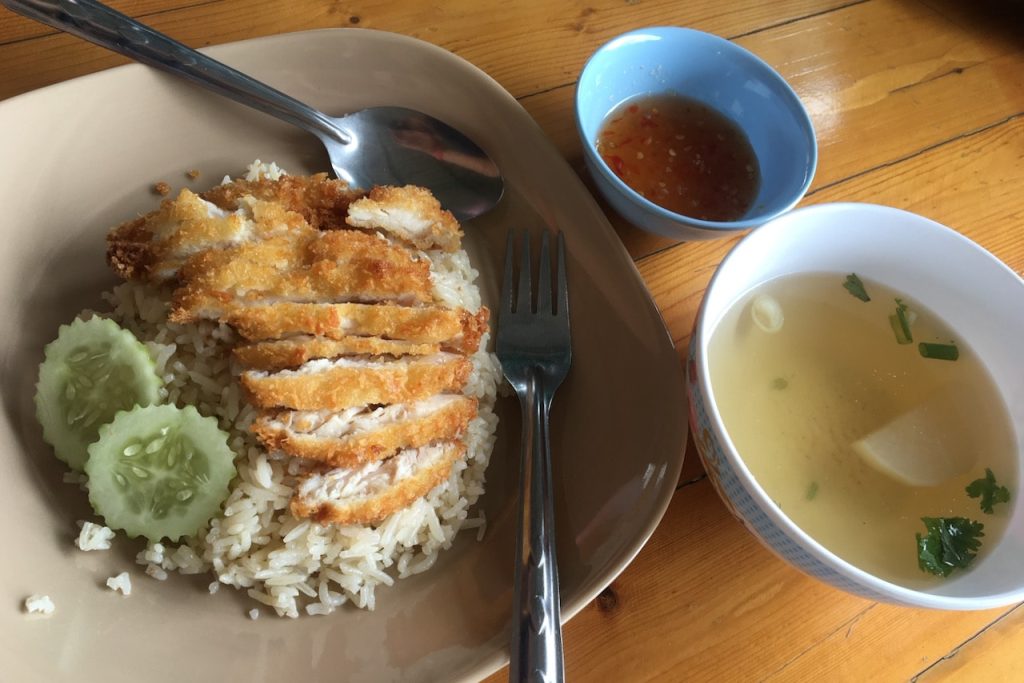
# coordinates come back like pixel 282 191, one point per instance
pixel 918 104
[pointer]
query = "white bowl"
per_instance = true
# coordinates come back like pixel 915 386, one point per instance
pixel 969 288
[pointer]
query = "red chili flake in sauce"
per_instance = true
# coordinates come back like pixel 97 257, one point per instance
pixel 682 155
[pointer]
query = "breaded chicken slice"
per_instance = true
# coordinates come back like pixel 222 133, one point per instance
pixel 330 267
pixel 155 246
pixel 371 492
pixel 359 435
pixel 454 329
pixel 411 214
pixel 347 382
pixel 322 201
pixel 292 352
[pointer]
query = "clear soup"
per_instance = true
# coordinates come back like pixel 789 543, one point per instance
pixel 848 426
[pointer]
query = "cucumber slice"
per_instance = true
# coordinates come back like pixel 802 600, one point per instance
pixel 91 371
pixel 159 471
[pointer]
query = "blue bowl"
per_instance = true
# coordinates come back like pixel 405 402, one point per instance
pixel 732 80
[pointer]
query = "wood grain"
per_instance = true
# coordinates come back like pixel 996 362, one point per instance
pixel 527 45
pixel 993 655
pixel 16 28
pixel 917 104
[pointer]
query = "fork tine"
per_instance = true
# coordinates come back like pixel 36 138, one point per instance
pixel 561 282
pixel 507 279
pixel 524 302
pixel 544 301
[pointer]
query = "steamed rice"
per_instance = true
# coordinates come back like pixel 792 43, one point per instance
pixel 255 544
pixel 94 536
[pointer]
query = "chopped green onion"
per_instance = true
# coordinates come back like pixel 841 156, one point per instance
pixel 900 323
pixel 939 351
pixel 812 491
pixel 855 287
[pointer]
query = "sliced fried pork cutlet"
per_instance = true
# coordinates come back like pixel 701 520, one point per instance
pixel 373 491
pixel 454 329
pixel 340 266
pixel 359 435
pixel 410 214
pixel 292 352
pixel 155 246
pixel 348 382
pixel 321 200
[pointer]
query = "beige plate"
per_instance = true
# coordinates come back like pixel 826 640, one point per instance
pixel 80 156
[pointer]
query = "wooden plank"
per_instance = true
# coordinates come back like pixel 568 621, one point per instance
pixel 885 642
pixel 527 45
pixel 972 184
pixel 992 656
pixel 14 27
pixel 898 96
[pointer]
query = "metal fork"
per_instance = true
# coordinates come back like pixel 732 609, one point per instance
pixel 534 348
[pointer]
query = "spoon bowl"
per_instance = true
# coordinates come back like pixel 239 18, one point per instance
pixel 407 147
pixel 374 146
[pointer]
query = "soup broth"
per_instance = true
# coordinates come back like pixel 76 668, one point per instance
pixel 854 435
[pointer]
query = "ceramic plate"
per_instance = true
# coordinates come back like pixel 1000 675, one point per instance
pixel 81 156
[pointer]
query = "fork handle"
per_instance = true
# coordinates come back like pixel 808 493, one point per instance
pixel 537 639
pixel 108 28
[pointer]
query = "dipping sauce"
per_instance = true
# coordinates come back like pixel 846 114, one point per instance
pixel 682 155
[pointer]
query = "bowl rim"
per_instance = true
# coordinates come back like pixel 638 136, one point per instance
pixel 702 333
pixel 803 120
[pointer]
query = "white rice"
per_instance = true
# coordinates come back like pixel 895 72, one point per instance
pixel 122 582
pixel 94 537
pixel 292 565
pixel 156 572
pixel 39 604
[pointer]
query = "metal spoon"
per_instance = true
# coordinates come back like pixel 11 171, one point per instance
pixel 375 146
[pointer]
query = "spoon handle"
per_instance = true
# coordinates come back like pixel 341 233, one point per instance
pixel 108 28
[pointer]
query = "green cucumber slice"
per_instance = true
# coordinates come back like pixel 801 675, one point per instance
pixel 90 372
pixel 159 471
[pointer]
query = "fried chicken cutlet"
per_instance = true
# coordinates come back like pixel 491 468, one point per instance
pixel 373 491
pixel 155 246
pixel 363 434
pixel 410 214
pixel 455 329
pixel 330 267
pixel 282 354
pixel 350 353
pixel 347 382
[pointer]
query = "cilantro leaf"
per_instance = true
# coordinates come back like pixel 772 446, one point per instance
pixel 951 543
pixel 929 555
pixel 989 491
pixel 855 287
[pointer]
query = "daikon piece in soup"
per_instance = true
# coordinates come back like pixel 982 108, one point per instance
pixel 871 424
